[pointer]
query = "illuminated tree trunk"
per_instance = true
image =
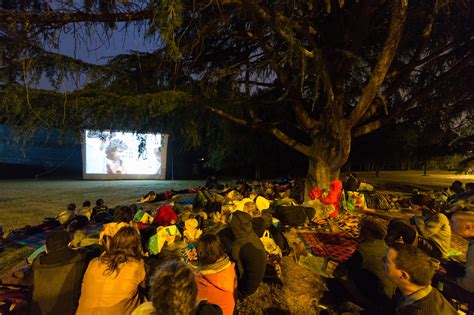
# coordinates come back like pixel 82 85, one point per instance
pixel 328 154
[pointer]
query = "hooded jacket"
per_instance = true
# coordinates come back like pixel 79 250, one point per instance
pixel 332 198
pixel 217 283
pixel 58 277
pixel 248 253
pixel 164 216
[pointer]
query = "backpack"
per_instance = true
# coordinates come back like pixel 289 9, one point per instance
pixel 269 243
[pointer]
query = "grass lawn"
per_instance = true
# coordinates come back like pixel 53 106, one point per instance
pixel 28 202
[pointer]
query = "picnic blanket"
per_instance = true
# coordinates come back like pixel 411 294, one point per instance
pixel 349 223
pixel 37 240
pixel 335 246
pixel 184 199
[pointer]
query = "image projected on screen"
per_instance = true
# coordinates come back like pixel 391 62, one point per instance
pixel 123 153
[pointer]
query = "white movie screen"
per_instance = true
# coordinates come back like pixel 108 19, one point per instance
pixel 124 155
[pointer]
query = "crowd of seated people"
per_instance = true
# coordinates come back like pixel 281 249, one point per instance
pixel 231 262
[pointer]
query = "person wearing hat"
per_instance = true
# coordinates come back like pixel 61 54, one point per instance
pixel 58 276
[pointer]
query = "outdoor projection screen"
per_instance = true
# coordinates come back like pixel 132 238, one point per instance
pixel 123 155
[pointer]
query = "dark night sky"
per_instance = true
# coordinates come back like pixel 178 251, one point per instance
pixel 99 46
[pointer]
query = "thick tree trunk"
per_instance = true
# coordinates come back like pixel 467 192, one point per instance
pixel 319 175
pixel 329 154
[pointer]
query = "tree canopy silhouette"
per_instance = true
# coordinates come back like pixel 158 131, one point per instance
pixel 315 74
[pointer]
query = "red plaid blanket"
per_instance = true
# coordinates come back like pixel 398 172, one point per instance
pixel 335 246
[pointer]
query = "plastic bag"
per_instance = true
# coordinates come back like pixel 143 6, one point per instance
pixel 269 243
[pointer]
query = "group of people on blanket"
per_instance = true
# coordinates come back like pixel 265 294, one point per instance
pixel 390 272
pixel 412 251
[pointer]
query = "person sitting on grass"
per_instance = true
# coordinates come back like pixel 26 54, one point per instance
pixel 82 216
pixel 455 188
pixel 430 232
pixel 366 284
pixel 123 217
pixel 248 253
pixel 411 270
pixel 100 213
pixel 462 223
pixel 112 281
pixel 174 292
pixel 215 276
pixel 58 276
pixel 66 216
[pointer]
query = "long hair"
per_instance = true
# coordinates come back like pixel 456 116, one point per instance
pixel 125 246
pixel 173 289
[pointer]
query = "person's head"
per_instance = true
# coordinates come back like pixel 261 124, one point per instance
pixel 241 224
pixel 57 241
pixel 125 246
pixel 462 223
pixel 71 206
pixel 86 203
pixel 456 186
pixel 209 249
pixel 408 266
pixel 427 204
pixel 173 289
pixel 115 149
pixel 123 214
pixel 99 202
pixel 371 228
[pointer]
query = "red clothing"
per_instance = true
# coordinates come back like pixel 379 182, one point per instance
pixel 217 287
pixel 164 215
pixel 333 196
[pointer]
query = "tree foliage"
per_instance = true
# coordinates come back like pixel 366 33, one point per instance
pixel 314 74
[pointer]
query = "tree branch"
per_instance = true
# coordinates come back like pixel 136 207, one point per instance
pixel 283 137
pixel 280 135
pixel 420 94
pixel 63 18
pixel 399 9
pixel 435 83
pixel 228 116
pixel 311 125
pixel 367 128
pixel 264 16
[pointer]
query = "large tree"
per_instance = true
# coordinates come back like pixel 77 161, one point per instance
pixel 314 73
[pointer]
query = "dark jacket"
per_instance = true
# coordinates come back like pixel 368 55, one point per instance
pixel 433 303
pixel 294 215
pixel 260 224
pixel 248 253
pixel 57 282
